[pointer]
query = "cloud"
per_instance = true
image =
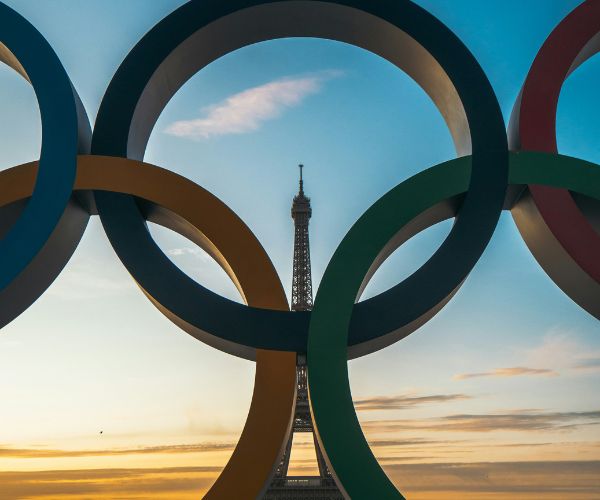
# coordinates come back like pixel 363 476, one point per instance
pixel 195 251
pixel 562 349
pixel 518 420
pixel 515 371
pixel 589 364
pixel 89 278
pixel 176 252
pixel 107 483
pixel 246 111
pixel 8 452
pixel 403 402
pixel 392 443
pixel 501 480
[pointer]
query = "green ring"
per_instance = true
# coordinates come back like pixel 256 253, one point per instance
pixel 338 430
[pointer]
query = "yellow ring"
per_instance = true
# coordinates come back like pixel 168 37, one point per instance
pixel 223 235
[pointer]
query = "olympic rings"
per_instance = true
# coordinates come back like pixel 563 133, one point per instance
pixel 568 247
pixel 45 206
pixel 40 237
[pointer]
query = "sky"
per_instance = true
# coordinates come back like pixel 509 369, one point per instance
pixel 495 398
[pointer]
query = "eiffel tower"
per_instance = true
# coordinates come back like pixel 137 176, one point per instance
pixel 284 486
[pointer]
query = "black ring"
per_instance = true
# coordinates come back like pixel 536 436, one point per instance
pixel 398 30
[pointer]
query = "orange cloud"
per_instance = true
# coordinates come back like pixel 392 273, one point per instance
pixel 107 483
pixel 8 452
pixel 519 420
pixel 402 402
pixel 499 481
pixel 515 371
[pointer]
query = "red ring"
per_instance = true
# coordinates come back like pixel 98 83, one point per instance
pixel 574 40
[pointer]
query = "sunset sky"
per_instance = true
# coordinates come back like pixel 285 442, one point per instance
pixel 495 398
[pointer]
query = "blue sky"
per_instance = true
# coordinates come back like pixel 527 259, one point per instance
pixel 93 352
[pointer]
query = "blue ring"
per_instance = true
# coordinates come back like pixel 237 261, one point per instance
pixel 65 132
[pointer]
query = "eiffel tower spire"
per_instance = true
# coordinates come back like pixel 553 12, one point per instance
pixel 302 299
pixel 284 486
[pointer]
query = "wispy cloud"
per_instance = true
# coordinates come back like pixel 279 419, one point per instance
pixel 246 111
pixel 9 452
pixel 503 480
pixel 559 348
pixel 176 252
pixel 565 350
pixel 194 251
pixel 402 402
pixel 134 483
pixel 89 278
pixel 589 364
pixel 518 420
pixel 418 442
pixel 515 371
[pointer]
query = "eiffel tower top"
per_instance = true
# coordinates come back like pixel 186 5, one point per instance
pixel 301 204
pixel 302 299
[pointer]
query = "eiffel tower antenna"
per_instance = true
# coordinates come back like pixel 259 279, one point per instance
pixel 284 486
